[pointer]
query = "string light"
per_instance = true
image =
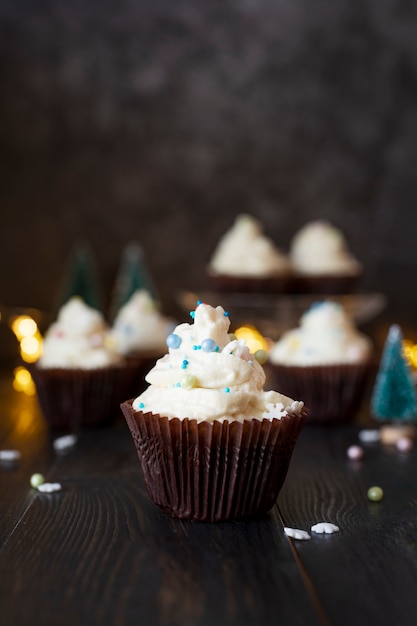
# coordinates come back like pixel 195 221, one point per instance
pixel 410 352
pixel 27 333
pixel 253 338
pixel 22 381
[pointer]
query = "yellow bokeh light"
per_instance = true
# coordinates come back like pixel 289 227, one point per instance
pixel 31 348
pixel 410 352
pixel 24 326
pixel 26 330
pixel 252 337
pixel 23 381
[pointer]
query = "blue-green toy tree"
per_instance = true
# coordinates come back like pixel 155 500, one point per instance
pixel 81 278
pixel 133 275
pixel 394 397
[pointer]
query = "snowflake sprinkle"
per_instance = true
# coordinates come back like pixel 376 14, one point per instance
pixel 296 533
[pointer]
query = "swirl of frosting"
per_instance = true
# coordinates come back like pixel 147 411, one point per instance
pixel 326 336
pixel 139 326
pixel 320 248
pixel 221 382
pixel 245 251
pixel 79 338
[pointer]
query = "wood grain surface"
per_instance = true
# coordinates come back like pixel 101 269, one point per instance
pixel 101 553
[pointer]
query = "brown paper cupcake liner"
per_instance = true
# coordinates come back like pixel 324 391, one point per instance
pixel 73 398
pixel 246 284
pixel 333 393
pixel 323 284
pixel 213 472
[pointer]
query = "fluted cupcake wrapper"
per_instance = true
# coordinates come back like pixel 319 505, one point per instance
pixel 324 284
pixel 213 471
pixel 333 393
pixel 249 284
pixel 74 398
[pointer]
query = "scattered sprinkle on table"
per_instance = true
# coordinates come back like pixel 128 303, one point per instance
pixel 355 453
pixel 296 533
pixel 49 487
pixel 325 528
pixel 375 493
pixel 404 444
pixel 64 442
pixel 9 456
pixel 369 436
pixel 36 480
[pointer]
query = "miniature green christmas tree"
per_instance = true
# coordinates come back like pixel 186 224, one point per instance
pixel 81 278
pixel 132 276
pixel 394 397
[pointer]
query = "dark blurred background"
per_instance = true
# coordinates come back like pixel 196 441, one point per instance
pixel 160 122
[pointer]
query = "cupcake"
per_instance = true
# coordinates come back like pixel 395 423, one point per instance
pixel 139 332
pixel 326 361
pixel 213 445
pixel 80 378
pixel 321 261
pixel 245 260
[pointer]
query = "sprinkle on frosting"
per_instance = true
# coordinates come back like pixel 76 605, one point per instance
pixel 140 327
pixel 222 384
pixel 326 335
pixel 173 341
pixel 78 339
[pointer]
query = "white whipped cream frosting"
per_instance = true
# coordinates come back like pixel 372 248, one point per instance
pixel 207 375
pixel 320 248
pixel 326 336
pixel 78 339
pixel 140 327
pixel 245 251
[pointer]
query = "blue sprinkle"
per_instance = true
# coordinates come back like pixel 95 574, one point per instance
pixel 209 345
pixel 192 314
pixel 184 364
pixel 196 347
pixel 178 384
pixel 199 302
pixel 217 349
pixel 173 341
pixel 226 313
pixel 141 405
pixel 226 390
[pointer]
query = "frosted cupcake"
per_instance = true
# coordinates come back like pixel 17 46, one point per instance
pixel 248 261
pixel 80 377
pixel 139 332
pixel 326 361
pixel 213 445
pixel 321 260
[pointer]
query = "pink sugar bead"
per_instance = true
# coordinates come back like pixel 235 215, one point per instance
pixel 355 453
pixel 404 444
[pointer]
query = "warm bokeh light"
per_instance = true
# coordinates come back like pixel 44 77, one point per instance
pixel 410 351
pixel 22 381
pixel 253 338
pixel 23 326
pixel 27 333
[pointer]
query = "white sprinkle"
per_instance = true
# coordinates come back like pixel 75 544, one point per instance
pixel 296 533
pixel 369 436
pixel 404 444
pixel 274 411
pixel 65 442
pixel 49 487
pixel 355 453
pixel 9 456
pixel 325 527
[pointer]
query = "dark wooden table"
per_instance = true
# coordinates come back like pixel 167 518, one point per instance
pixel 100 553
